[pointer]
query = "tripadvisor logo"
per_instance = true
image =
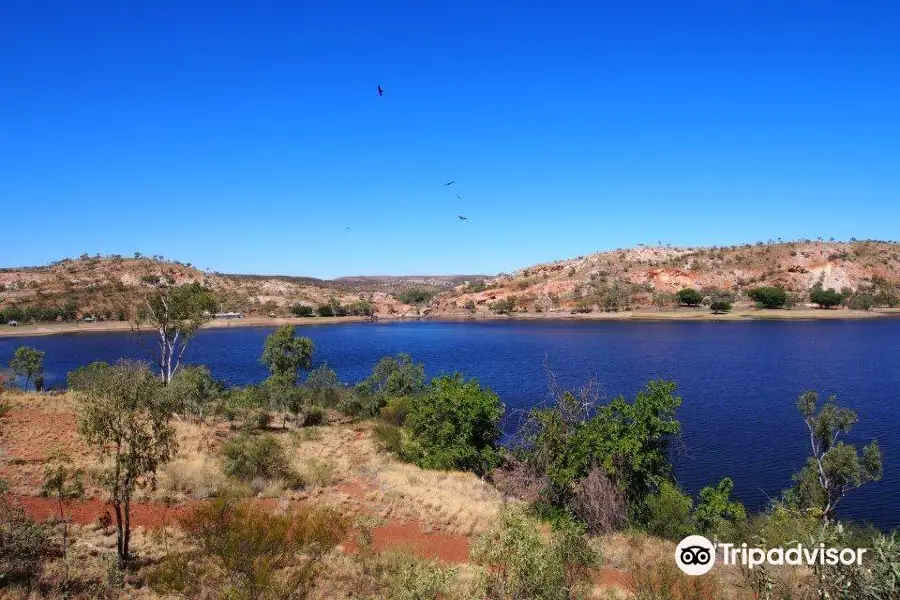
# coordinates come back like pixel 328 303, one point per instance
pixel 696 555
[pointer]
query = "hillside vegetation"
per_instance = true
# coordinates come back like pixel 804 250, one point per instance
pixel 862 274
pixel 651 277
pixel 113 287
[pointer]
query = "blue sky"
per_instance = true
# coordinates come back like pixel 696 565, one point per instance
pixel 246 137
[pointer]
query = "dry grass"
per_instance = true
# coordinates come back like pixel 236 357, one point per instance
pixel 455 502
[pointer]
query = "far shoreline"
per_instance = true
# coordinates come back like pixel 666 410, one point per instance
pixel 641 315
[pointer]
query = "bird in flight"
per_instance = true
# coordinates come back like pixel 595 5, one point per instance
pixel 457 197
pixel 380 91
pixel 462 218
pixel 449 183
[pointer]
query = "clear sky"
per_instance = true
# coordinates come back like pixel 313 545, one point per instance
pixel 247 137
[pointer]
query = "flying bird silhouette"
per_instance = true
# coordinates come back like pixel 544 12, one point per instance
pixel 449 183
pixel 380 91
pixel 457 197
pixel 462 218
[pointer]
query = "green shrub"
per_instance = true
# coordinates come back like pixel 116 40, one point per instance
pixel 455 425
pixel 716 515
pixel 23 543
pixel 302 310
pixel 312 416
pixel 414 296
pixel 504 306
pixel 396 410
pixel 825 298
pixel 251 456
pixel 325 310
pixel 669 513
pixel 629 441
pixel 361 405
pixel 192 389
pixel 245 551
pixel 768 296
pixel 322 387
pixel 689 297
pixel 394 376
pixel 519 563
pixel 720 306
pixel 389 436
pixel 861 302
pixel 415 579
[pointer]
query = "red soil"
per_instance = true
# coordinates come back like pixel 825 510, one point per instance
pixel 406 535
pixel 150 515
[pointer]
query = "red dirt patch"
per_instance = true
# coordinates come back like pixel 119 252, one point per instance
pixel 410 536
pixel 144 514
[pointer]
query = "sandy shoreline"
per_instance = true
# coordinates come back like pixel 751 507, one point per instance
pixel 685 314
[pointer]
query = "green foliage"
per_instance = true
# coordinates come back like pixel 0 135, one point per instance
pixel 361 308
pixel 629 441
pixel 302 310
pixel 861 301
pixel 834 468
pixel 23 543
pixel 325 310
pixel 248 404
pixel 716 515
pixel 504 306
pixel 192 389
pixel 455 425
pixel 668 512
pixel 414 295
pixel 83 378
pixel 27 362
pixel 282 394
pixel 390 437
pixel 689 297
pixel 720 306
pixel 63 483
pixel 825 298
pixel 394 376
pixel 247 552
pixel 322 387
pixel 176 312
pixel 396 410
pixel 519 563
pixel 124 418
pixel 286 354
pixel 404 577
pixel 878 578
pixel 250 456
pixel 768 296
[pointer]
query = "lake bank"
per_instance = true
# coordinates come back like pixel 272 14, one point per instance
pixel 682 314
pixel 739 380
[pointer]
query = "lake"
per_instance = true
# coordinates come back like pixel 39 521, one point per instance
pixel 739 381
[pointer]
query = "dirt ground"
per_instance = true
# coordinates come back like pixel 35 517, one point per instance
pixel 430 514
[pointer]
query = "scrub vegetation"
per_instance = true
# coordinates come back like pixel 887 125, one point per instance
pixel 135 485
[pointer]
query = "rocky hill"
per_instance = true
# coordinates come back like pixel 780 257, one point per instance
pixel 648 276
pixel 107 287
pixel 608 281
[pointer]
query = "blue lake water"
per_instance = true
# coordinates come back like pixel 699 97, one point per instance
pixel 739 381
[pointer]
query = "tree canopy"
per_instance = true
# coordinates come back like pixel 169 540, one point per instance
pixel 689 297
pixel 834 468
pixel 27 362
pixel 285 354
pixel 768 296
pixel 124 418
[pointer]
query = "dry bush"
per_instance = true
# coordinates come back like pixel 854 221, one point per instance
pixel 318 473
pixel 600 503
pixel 245 551
pixel 517 479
